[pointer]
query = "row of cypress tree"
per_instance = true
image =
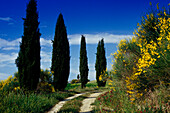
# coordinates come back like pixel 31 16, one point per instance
pixel 100 65
pixel 28 60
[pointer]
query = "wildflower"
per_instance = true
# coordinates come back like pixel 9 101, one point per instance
pixel 100 78
pixel 132 99
pixel 109 84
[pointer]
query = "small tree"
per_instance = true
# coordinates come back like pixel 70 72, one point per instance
pixel 78 77
pixel 28 60
pixel 100 65
pixel 60 55
pixel 83 63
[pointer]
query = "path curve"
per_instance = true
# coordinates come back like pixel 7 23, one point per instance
pixel 86 107
pixel 58 106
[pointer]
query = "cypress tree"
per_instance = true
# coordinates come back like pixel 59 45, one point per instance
pixel 83 63
pixel 28 60
pixel 97 65
pixel 60 55
pixel 103 61
pixel 100 65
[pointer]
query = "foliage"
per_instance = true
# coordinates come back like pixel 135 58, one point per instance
pixel 13 99
pixel 9 84
pixel 46 76
pixel 90 87
pixel 144 62
pixel 45 87
pixel 75 81
pixel 28 61
pixel 26 102
pixel 116 100
pixel 100 65
pixel 60 55
pixel 73 105
pixel 139 80
pixel 83 63
pixel 78 76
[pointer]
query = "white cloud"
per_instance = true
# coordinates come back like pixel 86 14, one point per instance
pixel 46 56
pixel 73 39
pixel 10 48
pixel 12 45
pixel 45 42
pixel 3 76
pixel 94 38
pixel 6 19
pixel 5 43
pixel 8 58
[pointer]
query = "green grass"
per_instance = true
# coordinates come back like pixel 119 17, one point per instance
pixel 73 106
pixel 18 101
pixel 34 103
pixel 90 87
pixel 118 101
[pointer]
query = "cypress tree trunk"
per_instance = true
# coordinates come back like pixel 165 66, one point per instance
pixel 28 61
pixel 83 63
pixel 60 55
pixel 100 65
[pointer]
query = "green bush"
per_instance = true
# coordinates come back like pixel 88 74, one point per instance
pixel 46 76
pixel 75 81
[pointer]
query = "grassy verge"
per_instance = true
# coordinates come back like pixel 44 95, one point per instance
pixel 90 87
pixel 73 106
pixel 117 100
pixel 35 103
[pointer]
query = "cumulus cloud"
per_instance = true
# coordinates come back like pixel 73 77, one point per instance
pixel 14 44
pixel 10 48
pixel 94 38
pixel 8 58
pixel 73 39
pixel 3 76
pixel 6 44
pixel 6 19
pixel 45 42
pixel 46 56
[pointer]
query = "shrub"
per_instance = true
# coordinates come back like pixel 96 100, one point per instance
pixel 143 61
pixel 75 81
pixel 46 76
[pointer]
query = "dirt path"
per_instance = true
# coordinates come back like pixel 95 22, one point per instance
pixel 57 107
pixel 86 108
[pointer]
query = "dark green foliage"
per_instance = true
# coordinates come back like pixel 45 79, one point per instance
pixel 78 77
pixel 83 63
pixel 60 55
pixel 100 65
pixel 28 61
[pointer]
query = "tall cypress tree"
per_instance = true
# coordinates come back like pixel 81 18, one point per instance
pixel 97 65
pixel 100 65
pixel 83 63
pixel 103 60
pixel 60 55
pixel 28 61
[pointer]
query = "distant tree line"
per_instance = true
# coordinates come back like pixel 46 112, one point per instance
pixel 28 60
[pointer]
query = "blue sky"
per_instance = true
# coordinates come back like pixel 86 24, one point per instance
pixel 112 20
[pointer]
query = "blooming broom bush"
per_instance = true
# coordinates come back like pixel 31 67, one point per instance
pixel 142 65
pixel 143 62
